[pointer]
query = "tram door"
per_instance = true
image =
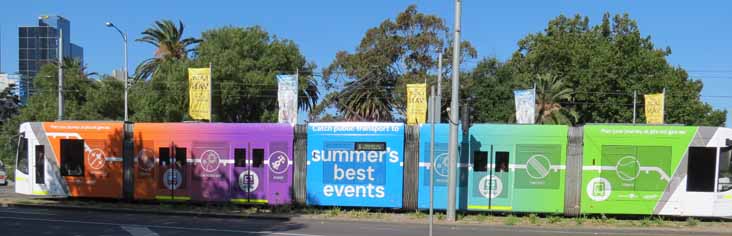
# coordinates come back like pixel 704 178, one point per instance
pixel 250 173
pixel 500 182
pixel 258 186
pixel 22 174
pixel 173 167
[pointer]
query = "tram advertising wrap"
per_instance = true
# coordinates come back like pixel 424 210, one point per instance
pixel 355 164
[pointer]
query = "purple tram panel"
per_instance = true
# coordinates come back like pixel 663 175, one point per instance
pixel 243 163
pixel 262 164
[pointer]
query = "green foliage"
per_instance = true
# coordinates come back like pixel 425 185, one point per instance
pixel 691 221
pixel 579 220
pixel 333 212
pixel 603 65
pixel 9 103
pixel 245 64
pixel 646 221
pixel 533 219
pixel 481 217
pixel 419 215
pixel 658 220
pixel 439 215
pixel 84 99
pixel 371 82
pixel 511 220
pixel 492 92
pixel 164 98
pixel 553 219
pixel 169 43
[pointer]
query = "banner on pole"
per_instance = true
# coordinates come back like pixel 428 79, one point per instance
pixel 287 98
pixel 199 93
pixel 416 103
pixel 525 105
pixel 654 108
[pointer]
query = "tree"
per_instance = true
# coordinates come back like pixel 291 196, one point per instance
pixel 245 64
pixel 371 81
pixel 605 64
pixel 551 92
pixel 164 98
pixel 491 92
pixel 169 43
pixel 9 104
pixel 84 99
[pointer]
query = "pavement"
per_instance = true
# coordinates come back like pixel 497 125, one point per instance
pixel 18 220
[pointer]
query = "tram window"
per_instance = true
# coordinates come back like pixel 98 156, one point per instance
pixel 164 155
pixel 180 157
pixel 40 164
pixel 501 162
pixel 480 161
pixel 72 157
pixel 725 169
pixel 22 154
pixel 240 155
pixel 258 157
pixel 700 171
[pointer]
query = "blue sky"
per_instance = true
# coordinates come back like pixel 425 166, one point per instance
pixel 698 32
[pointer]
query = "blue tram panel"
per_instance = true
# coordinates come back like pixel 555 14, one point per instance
pixel 355 164
pixel 442 160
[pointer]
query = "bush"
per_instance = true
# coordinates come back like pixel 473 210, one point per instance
pixel 580 219
pixel 554 219
pixel 533 219
pixel 511 220
pixel 333 212
pixel 691 221
pixel 419 215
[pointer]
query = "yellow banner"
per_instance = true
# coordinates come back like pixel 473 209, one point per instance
pixel 199 93
pixel 654 108
pixel 416 103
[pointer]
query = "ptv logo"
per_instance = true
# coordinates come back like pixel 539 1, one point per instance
pixel 210 161
pixel 96 159
pixel 278 163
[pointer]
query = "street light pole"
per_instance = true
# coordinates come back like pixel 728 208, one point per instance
pixel 452 147
pixel 438 104
pixel 60 74
pixel 124 38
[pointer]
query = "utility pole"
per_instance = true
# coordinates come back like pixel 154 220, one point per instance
pixel 124 39
pixel 438 102
pixel 127 77
pixel 434 115
pixel 60 74
pixel 454 113
pixel 635 94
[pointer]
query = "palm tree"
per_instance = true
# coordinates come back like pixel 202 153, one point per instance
pixel 551 92
pixel 168 39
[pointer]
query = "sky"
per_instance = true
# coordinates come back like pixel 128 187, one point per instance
pixel 698 32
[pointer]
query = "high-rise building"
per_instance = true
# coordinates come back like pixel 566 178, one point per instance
pixel 38 45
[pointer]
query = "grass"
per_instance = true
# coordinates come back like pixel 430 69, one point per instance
pixel 659 221
pixel 579 220
pixel 511 220
pixel 533 219
pixel 440 216
pixel 481 217
pixel 361 213
pixel 554 219
pixel 691 222
pixel 418 215
pixel 333 212
pixel 645 222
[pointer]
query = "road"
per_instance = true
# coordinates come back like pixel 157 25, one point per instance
pixel 36 221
